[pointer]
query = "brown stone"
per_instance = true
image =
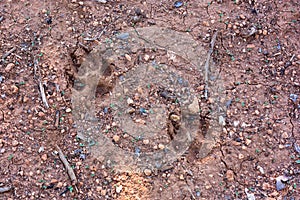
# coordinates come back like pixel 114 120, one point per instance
pixel 15 143
pixel 285 135
pixel 9 67
pixel 266 186
pixel 44 157
pixel 230 175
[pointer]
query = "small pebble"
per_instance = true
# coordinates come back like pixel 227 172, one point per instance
pixel 119 189
pixel 98 188
pixel 174 118
pixel 178 4
pixel 41 149
pixel 236 123
pixel 128 57
pixel 242 17
pixel 259 50
pixel 261 170
pixel 181 177
pixel 105 110
pixel 82 156
pixel 41 114
pixel 280 182
pixel 247 142
pixel 161 146
pixel 143 111
pixel 146 57
pixel 14 89
pixel 285 135
pixel 59 184
pixel 241 156
pixel 49 20
pixel 77 151
pixel 123 36
pixel 95 23
pixel 228 103
pixel 130 110
pixel 44 157
pixel 205 23
pixel 250 46
pixel 266 186
pixel 265 52
pixel 53 180
pixel 103 192
pixel 129 101
pixel 249 195
pixel 146 141
pixel 9 67
pixel 297 148
pixel 147 172
pixel 15 143
pixel 102 1
pixel 230 175
pixel 137 151
pixel 116 138
pixel 194 106
pixel 293 97
pixel 208 187
pixel 265 32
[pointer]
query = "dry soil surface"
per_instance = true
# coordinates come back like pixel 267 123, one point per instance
pixel 257 53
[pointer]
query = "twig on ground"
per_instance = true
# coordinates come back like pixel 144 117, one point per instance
pixel 292 58
pixel 8 53
pixel 189 189
pixel 85 48
pixel 43 95
pixel 57 116
pixel 206 67
pixel 97 36
pixel 41 87
pixel 68 167
pixel 5 189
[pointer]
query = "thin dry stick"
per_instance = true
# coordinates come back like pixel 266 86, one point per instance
pixel 67 166
pixel 206 67
pixel 189 189
pixel 8 53
pixel 97 36
pixel 4 189
pixel 41 87
pixel 57 116
pixel 43 95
